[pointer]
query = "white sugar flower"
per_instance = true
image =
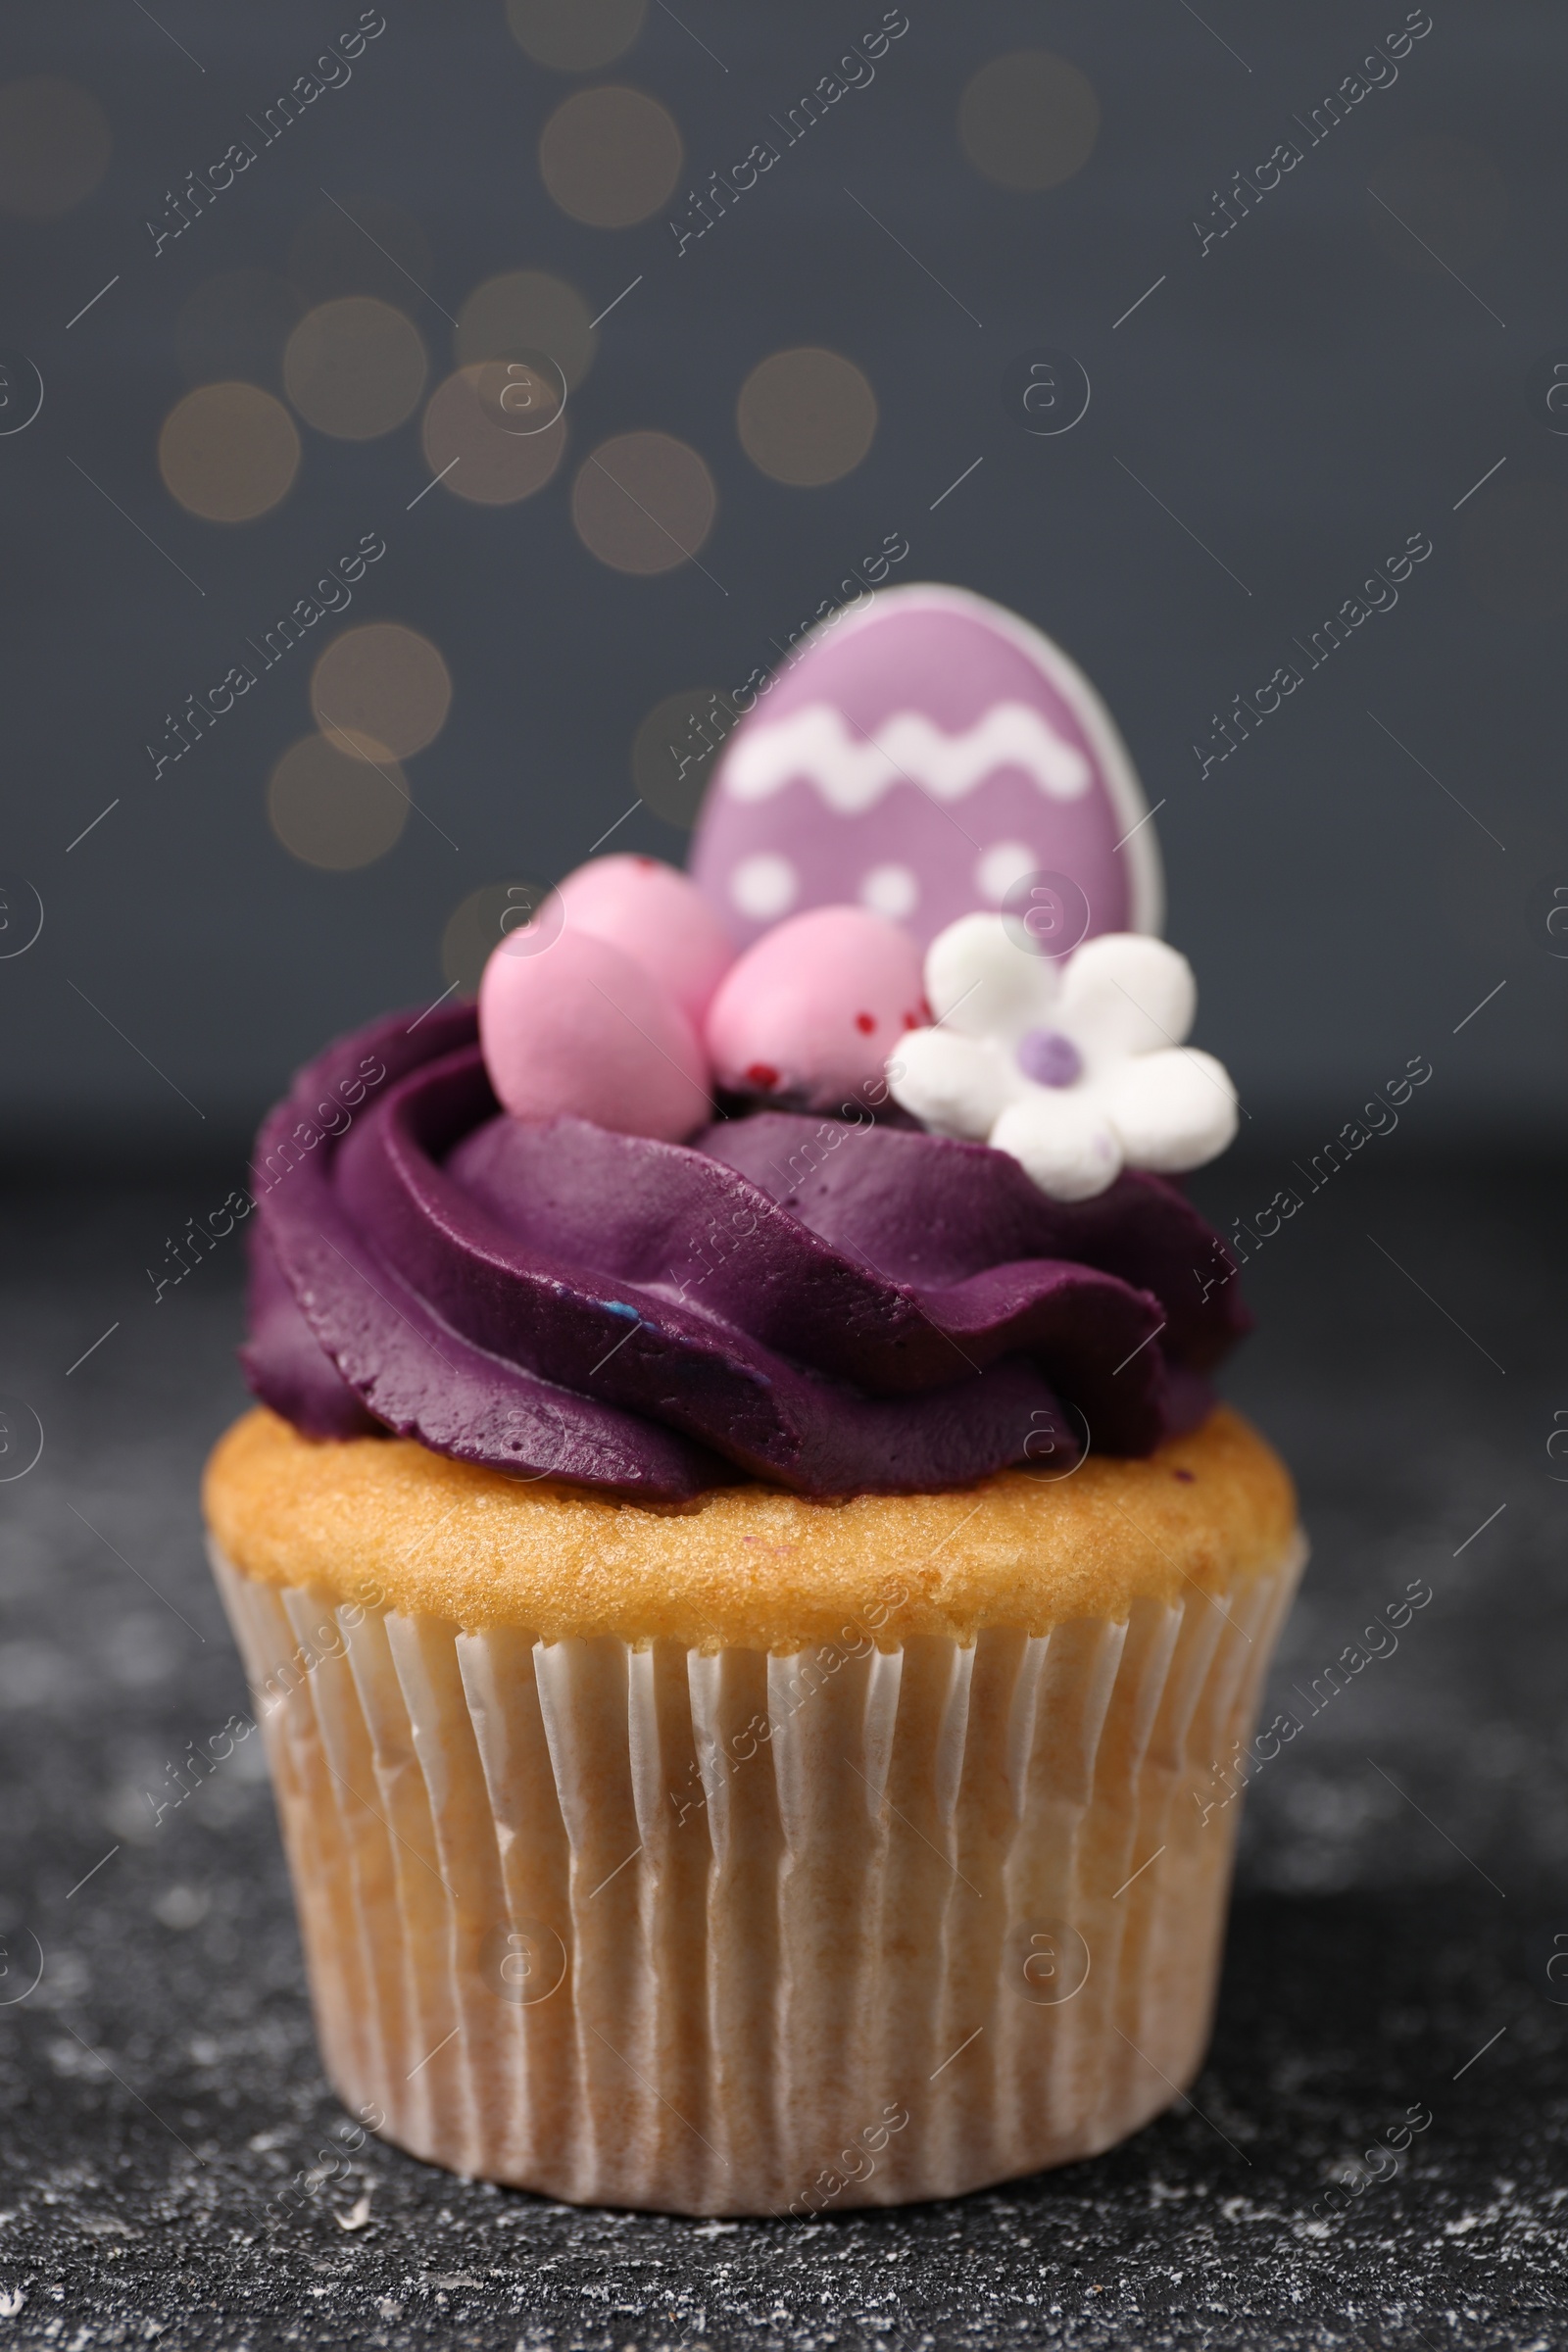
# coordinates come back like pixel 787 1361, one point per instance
pixel 1074 1067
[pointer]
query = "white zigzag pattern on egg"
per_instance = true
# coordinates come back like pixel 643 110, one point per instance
pixel 852 774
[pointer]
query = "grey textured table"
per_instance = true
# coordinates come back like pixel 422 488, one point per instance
pixel 1400 1894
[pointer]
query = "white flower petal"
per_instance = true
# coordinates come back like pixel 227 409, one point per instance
pixel 979 984
pixel 1123 1001
pixel 953 1085
pixel 1171 1111
pixel 1063 1139
pixel 1124 994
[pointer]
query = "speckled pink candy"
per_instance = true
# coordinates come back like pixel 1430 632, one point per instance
pixel 952 657
pixel 811 1011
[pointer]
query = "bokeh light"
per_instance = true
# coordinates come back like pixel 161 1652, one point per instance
pixel 521 396
pixel 55 146
pixel 360 245
pixel 675 750
pixel 383 681
pixel 355 368
pixel 1442 194
pixel 575 36
pixel 643 503
pixel 610 157
pixel 236 325
pixel 478 925
pixel 228 452
pixel 475 454
pixel 806 416
pixel 1029 120
pixel 523 311
pixel 337 802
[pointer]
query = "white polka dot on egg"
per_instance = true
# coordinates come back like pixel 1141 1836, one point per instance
pixel 1000 867
pixel 891 890
pixel 764 886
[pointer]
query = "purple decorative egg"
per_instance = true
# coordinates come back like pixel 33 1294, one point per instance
pixel 919 756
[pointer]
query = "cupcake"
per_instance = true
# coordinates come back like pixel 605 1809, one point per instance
pixel 746 1579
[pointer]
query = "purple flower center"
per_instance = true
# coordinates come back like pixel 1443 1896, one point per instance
pixel 1049 1057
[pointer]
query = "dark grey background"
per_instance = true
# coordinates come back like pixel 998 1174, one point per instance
pixel 1303 398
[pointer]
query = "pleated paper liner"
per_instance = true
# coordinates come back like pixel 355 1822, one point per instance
pixel 748 1935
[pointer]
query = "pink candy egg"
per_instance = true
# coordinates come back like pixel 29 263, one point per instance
pixel 657 916
pixel 813 1010
pixel 575 1025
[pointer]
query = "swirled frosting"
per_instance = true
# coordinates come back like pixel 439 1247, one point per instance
pixel 841 1306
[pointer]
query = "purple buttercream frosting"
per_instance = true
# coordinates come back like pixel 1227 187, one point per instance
pixel 838 1307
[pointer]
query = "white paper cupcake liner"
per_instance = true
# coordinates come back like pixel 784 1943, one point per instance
pixel 737 1933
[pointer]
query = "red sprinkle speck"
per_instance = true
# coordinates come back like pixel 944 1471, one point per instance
pixel 865 1022
pixel 1187 1477
pixel 763 1073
